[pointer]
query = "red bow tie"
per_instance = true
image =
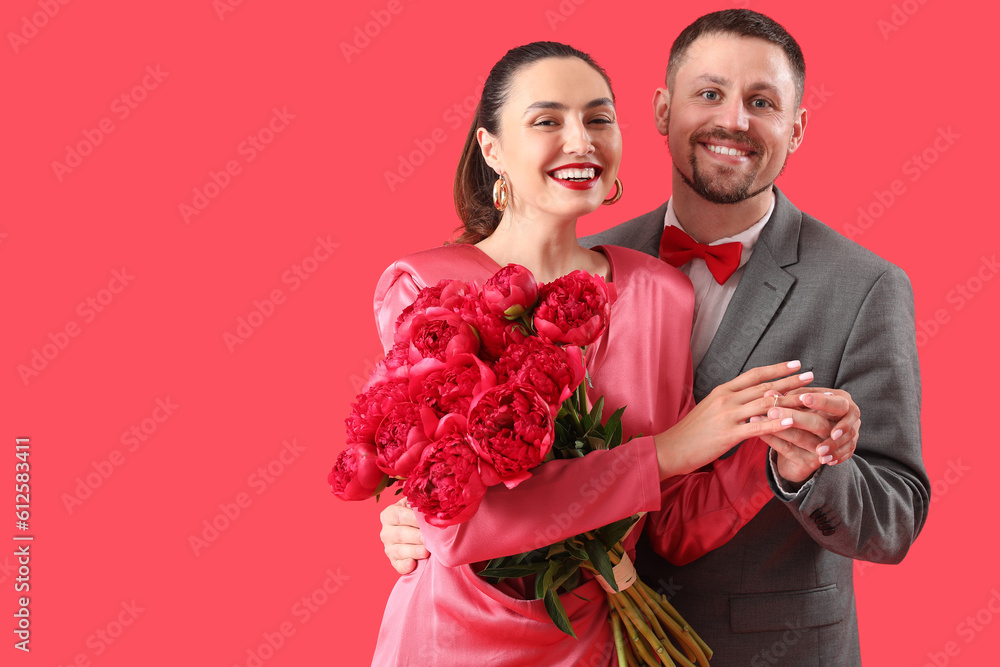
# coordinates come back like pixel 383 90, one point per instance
pixel 677 249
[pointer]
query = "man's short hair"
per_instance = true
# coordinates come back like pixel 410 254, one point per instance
pixel 741 23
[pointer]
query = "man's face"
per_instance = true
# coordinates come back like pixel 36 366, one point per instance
pixel 731 118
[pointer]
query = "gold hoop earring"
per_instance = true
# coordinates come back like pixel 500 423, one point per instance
pixel 500 193
pixel 618 194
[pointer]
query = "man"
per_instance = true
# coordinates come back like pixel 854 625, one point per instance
pixel 782 588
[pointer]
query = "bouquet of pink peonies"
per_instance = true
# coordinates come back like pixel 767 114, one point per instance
pixel 480 387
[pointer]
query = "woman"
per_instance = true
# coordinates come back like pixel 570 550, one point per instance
pixel 546 141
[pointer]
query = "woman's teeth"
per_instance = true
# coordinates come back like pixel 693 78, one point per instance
pixel 574 174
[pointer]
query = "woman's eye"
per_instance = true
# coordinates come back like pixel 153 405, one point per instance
pixel 545 122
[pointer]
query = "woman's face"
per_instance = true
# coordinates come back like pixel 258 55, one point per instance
pixel 559 144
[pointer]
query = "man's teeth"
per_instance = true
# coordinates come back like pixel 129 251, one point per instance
pixel 722 150
pixel 574 174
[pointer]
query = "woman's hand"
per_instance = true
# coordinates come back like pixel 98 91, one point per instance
pixel 722 419
pixel 825 430
pixel 404 545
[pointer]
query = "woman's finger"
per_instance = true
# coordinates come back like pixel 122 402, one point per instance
pixel 756 376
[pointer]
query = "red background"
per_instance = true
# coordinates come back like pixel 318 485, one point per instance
pixel 884 81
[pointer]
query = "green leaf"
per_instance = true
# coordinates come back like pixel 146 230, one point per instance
pixel 544 582
pixel 510 572
pixel 558 614
pixel 566 570
pixel 575 549
pixel 596 442
pixel 612 533
pixel 599 559
pixel 555 550
pixel 613 429
pixel 596 411
pixel 573 581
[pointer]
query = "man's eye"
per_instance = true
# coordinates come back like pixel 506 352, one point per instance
pixel 602 119
pixel 761 104
pixel 710 95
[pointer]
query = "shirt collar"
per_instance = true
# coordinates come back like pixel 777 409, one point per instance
pixel 748 237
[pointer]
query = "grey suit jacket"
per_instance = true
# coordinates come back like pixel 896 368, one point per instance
pixel 782 591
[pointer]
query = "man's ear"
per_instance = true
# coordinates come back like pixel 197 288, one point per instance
pixel 490 146
pixel 661 109
pixel 798 129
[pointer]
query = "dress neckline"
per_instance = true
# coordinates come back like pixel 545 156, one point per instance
pixel 604 250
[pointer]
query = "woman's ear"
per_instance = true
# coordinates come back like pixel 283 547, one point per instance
pixel 490 146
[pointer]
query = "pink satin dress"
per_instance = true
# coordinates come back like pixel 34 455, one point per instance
pixel 443 613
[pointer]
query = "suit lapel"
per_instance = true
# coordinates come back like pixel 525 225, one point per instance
pixel 761 291
pixel 649 231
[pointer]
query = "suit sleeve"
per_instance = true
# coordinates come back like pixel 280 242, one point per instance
pixel 873 506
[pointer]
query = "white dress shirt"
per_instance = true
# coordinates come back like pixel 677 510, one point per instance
pixel 711 301
pixel 710 298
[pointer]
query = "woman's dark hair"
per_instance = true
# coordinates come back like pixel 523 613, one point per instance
pixel 474 178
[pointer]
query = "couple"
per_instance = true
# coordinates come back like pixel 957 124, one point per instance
pixel 546 130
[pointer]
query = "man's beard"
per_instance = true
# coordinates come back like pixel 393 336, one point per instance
pixel 713 190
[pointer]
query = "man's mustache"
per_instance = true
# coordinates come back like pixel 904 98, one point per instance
pixel 741 138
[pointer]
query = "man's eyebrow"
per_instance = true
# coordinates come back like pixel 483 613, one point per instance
pixel 724 82
pixel 713 78
pixel 559 106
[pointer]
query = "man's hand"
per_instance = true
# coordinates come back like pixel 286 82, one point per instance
pixel 404 545
pixel 827 424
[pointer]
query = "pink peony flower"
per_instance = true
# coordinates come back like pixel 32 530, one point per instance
pixel 554 372
pixel 355 475
pixel 402 436
pixel 438 333
pixel 495 331
pixel 395 366
pixel 449 386
pixel 370 406
pixel 573 310
pixel 447 294
pixel 446 485
pixel 512 429
pixel 510 292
